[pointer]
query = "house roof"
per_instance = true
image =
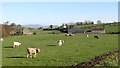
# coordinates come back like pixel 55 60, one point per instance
pixel 98 29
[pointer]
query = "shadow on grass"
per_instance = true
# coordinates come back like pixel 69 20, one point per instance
pixel 52 45
pixel 8 47
pixel 91 46
pixel 16 57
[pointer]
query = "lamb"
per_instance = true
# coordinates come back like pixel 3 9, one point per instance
pixel 87 36
pixel 60 42
pixel 16 44
pixel 1 39
pixel 71 34
pixel 32 52
pixel 67 34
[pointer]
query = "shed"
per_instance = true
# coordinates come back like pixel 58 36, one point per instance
pixel 12 32
pixel 27 31
pixel 98 30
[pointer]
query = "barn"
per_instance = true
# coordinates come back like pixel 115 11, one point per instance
pixel 16 32
pixel 27 31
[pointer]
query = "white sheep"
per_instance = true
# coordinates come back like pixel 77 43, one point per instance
pixel 71 34
pixel 87 35
pixel 1 39
pixel 67 34
pixel 16 44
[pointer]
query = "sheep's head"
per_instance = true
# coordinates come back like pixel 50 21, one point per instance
pixel 1 39
pixel 62 41
pixel 20 43
pixel 37 50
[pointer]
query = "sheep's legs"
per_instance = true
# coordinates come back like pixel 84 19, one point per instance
pixel 30 55
pixel 35 55
pixel 27 55
pixel 60 44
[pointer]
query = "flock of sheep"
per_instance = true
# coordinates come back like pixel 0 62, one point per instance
pixel 31 52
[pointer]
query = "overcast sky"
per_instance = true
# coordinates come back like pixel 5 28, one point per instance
pixel 56 13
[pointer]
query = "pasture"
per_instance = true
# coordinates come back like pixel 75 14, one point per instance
pixel 76 48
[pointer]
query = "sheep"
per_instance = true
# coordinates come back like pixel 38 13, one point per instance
pixel 87 36
pixel 60 42
pixel 71 34
pixel 32 52
pixel 1 39
pixel 16 44
pixel 96 37
pixel 67 34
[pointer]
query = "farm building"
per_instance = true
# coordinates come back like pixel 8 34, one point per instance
pixel 16 32
pixel 12 32
pixel 76 30
pixel 27 31
pixel 98 30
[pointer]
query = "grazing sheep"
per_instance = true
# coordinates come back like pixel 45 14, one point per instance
pixel 60 42
pixel 71 34
pixel 96 37
pixel 67 34
pixel 1 39
pixel 16 44
pixel 87 36
pixel 32 52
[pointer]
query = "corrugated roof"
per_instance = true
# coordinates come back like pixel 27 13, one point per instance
pixel 98 29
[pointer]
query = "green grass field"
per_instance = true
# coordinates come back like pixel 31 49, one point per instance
pixel 76 48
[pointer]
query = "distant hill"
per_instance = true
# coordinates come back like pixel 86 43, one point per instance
pixel 35 26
